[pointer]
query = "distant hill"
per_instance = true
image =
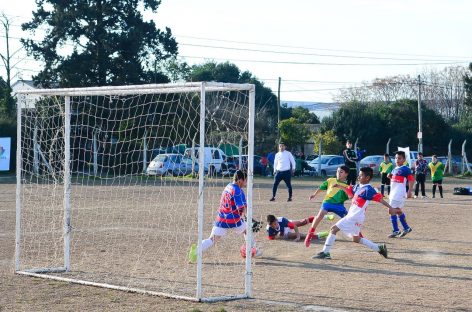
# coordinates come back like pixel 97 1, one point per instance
pixel 320 109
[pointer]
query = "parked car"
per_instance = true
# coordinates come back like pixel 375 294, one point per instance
pixel 213 158
pixel 373 161
pixel 170 164
pixel 329 164
pixel 257 166
pixel 229 166
pixel 311 157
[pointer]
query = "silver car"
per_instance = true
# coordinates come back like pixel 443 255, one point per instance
pixel 171 165
pixel 329 164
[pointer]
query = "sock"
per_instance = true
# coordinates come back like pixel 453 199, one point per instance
pixel 403 221
pixel 394 223
pixel 440 190
pixel 368 243
pixel 253 243
pixel 382 189
pixel 434 189
pixel 388 189
pixel 310 219
pixel 329 242
pixel 207 243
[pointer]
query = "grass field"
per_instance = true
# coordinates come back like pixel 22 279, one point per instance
pixel 428 270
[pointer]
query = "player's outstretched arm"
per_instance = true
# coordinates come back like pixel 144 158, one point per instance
pixel 312 196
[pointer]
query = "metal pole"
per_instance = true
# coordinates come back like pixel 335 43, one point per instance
pixel 67 225
pixel 449 156
pixel 145 149
pixel 19 166
pixel 387 149
pixel 278 106
pixel 420 121
pixel 249 234
pixel 201 185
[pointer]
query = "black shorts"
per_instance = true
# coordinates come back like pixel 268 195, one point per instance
pixel 439 182
pixel 385 179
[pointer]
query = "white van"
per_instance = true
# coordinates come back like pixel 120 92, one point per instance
pixel 214 158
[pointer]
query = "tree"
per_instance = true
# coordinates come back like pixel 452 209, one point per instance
pixel 293 133
pixel 468 88
pixel 7 101
pixel 97 43
pixel 265 102
pixel 330 143
pixel 304 116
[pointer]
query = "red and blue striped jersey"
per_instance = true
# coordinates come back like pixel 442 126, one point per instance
pixel 232 205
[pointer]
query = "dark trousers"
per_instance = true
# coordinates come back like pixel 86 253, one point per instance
pixel 352 176
pixel 420 179
pixel 286 176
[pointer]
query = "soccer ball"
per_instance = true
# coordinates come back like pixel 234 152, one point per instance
pixel 243 250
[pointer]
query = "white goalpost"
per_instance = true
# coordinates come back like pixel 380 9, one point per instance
pixel 114 184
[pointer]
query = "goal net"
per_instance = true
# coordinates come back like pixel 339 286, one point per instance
pixel 114 185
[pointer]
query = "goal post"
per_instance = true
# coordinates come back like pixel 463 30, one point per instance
pixel 114 185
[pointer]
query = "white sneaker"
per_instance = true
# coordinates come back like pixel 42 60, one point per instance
pixel 415 196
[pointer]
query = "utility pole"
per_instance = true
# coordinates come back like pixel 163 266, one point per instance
pixel 6 61
pixel 420 119
pixel 278 108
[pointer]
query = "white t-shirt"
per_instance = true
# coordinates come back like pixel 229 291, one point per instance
pixel 284 161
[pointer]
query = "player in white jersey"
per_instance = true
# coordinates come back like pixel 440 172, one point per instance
pixel 352 223
pixel 400 176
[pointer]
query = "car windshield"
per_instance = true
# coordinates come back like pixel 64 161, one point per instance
pixel 324 160
pixel 161 158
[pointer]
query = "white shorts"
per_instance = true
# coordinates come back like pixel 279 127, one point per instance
pixel 349 226
pixel 219 231
pixel 397 203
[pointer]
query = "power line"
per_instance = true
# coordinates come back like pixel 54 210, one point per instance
pixel 320 49
pixel 324 63
pixel 311 54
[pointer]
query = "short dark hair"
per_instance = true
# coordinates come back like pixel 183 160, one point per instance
pixel 401 153
pixel 348 141
pixel 239 175
pixel 434 156
pixel 369 172
pixel 345 168
pixel 271 218
pixel 386 155
pixel 420 153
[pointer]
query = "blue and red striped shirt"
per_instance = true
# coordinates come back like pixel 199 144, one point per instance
pixel 232 205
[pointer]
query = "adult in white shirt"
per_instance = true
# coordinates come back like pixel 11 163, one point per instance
pixel 284 166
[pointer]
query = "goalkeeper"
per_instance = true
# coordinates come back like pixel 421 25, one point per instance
pixel 282 227
pixel 230 214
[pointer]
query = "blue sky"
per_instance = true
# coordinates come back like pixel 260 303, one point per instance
pixel 315 46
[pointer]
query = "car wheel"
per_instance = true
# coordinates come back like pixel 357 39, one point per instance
pixel 323 174
pixel 168 173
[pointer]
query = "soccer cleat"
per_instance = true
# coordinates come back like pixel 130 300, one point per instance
pixel 289 199
pixel 383 250
pixel 322 255
pixel 192 254
pixel 258 252
pixel 272 199
pixel 415 196
pixel 308 238
pixel 404 232
pixel 329 217
pixel 394 234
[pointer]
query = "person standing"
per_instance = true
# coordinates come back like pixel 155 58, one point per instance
pixel 350 158
pixel 437 172
pixel 400 177
pixel 284 167
pixel 421 166
pixel 385 168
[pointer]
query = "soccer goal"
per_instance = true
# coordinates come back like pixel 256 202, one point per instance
pixel 112 192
